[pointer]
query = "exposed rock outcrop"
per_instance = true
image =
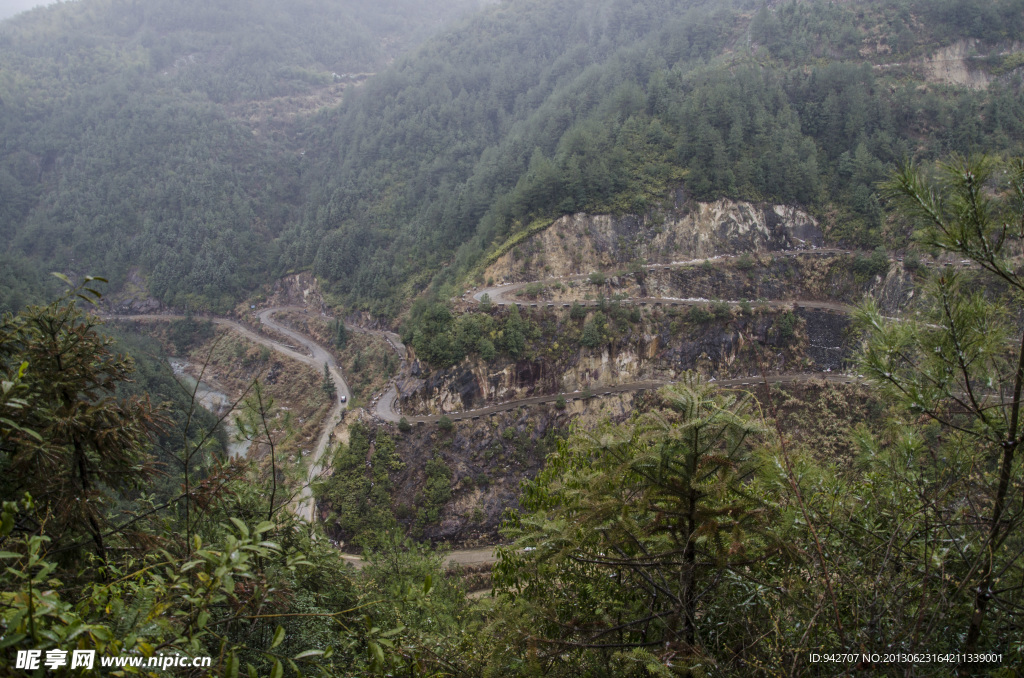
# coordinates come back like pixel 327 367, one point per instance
pixel 582 243
pixel 973 64
pixel 950 66
pixel 661 348
pixel 300 289
pixel 133 297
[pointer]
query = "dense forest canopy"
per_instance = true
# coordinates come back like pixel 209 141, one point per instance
pixel 600 106
pixel 170 138
pixel 152 134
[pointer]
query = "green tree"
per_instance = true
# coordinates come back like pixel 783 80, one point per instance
pixel 89 443
pixel 328 383
pixel 437 490
pixel 189 604
pixel 594 331
pixel 262 425
pixel 358 492
pixel 961 364
pixel 340 334
pixel 486 349
pixel 636 522
pixel 514 332
pixel 426 608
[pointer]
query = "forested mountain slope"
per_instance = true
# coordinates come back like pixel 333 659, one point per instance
pixel 141 145
pixel 163 134
pixel 539 109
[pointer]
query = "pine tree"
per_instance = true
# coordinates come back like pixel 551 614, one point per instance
pixel 635 523
pixel 961 366
pixel 340 334
pixel 89 443
pixel 328 383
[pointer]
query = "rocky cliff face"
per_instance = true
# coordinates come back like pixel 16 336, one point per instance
pixel 488 459
pixel 300 289
pixel 582 243
pixel 664 344
pixel 741 340
pixel 893 291
pixel 972 64
pixel 950 65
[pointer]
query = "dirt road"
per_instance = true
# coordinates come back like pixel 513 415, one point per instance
pixel 316 357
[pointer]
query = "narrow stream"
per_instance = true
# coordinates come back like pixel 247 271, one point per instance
pixel 215 401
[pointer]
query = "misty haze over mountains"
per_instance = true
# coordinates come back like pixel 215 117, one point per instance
pixel 12 7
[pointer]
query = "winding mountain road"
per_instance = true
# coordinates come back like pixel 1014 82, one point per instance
pixel 316 358
pixel 386 406
pixel 305 504
pixel 498 294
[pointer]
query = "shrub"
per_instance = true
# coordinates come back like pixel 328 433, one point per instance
pixel 560 403
pixel 868 267
pixel 698 315
pixel 720 310
pixel 787 325
pixel 577 312
pixel 445 423
pixel 486 348
pixel 912 262
pixel 404 426
pixel 597 278
pixel 188 333
pixel 593 336
pixel 436 491
pixel 533 290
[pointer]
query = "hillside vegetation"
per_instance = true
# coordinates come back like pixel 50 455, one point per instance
pixel 538 109
pixel 704 532
pixel 165 137
pixel 657 510
pixel 162 135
